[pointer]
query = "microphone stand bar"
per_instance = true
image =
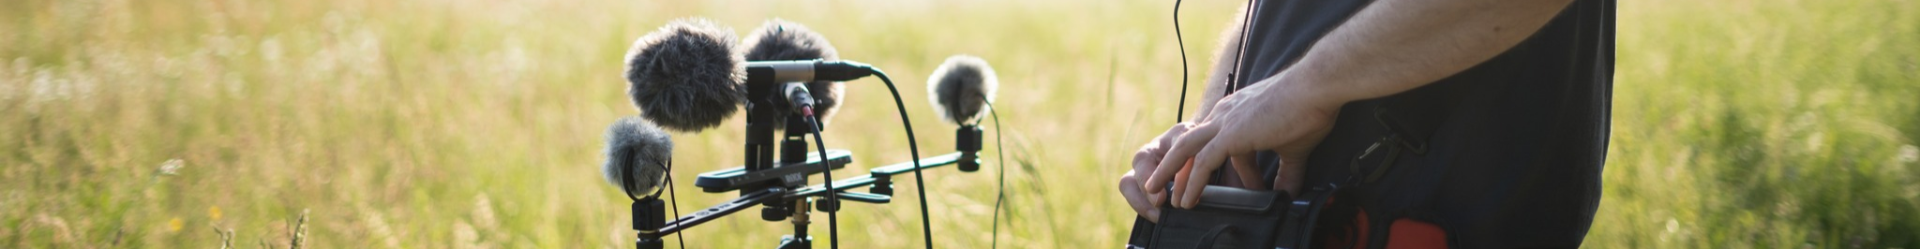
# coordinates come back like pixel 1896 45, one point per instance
pixel 717 211
pixel 737 178
pixel 841 185
pixel 905 167
pixel 880 178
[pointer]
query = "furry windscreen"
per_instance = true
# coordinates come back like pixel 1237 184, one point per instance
pixel 780 40
pixel 686 76
pixel 633 144
pixel 961 87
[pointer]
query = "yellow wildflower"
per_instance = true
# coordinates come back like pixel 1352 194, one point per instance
pixel 175 224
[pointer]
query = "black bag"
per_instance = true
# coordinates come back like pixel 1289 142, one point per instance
pixel 1229 217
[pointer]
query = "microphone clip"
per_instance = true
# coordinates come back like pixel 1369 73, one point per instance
pixel 967 141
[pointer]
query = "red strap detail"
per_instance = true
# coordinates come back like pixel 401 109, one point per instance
pixel 1404 234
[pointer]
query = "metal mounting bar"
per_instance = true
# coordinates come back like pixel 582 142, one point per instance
pixel 927 163
pixel 838 186
pixel 880 178
pixel 866 197
pixel 738 177
pixel 722 210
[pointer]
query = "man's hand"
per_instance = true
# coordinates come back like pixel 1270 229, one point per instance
pixel 1270 115
pixel 1146 160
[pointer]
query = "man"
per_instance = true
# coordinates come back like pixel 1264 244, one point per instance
pixel 1483 121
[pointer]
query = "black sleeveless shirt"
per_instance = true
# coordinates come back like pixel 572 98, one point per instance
pixel 1505 154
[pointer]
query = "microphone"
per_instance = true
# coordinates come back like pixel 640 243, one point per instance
pixel 637 157
pixel 781 40
pixel 960 90
pixel 686 77
pixel 805 71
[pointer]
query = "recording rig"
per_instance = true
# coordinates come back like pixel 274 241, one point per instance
pixel 691 74
pixel 779 185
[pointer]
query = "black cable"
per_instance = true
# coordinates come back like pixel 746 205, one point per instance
pixel 1182 111
pixel 1233 79
pixel 675 199
pixel 913 148
pixel 833 220
pixel 1001 154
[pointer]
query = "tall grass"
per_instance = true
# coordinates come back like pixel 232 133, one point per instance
pixel 1764 124
pixel 436 123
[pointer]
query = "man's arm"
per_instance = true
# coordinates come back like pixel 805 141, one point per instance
pixel 1388 47
pixel 1393 46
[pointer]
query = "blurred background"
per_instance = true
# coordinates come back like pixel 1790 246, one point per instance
pixel 478 124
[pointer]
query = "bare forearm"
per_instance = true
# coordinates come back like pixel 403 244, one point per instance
pixel 1395 45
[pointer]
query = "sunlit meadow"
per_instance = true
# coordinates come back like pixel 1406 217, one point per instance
pixel 477 124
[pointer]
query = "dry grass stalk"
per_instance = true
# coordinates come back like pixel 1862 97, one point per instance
pixel 300 230
pixel 226 237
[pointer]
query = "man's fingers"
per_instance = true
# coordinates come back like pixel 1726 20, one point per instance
pixel 1155 199
pixel 1292 171
pixel 1204 162
pixel 1243 166
pixel 1177 154
pixel 1143 203
pixel 1180 181
pixel 1145 159
pixel 1174 133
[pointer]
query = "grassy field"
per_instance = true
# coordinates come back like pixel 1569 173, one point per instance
pixel 462 124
